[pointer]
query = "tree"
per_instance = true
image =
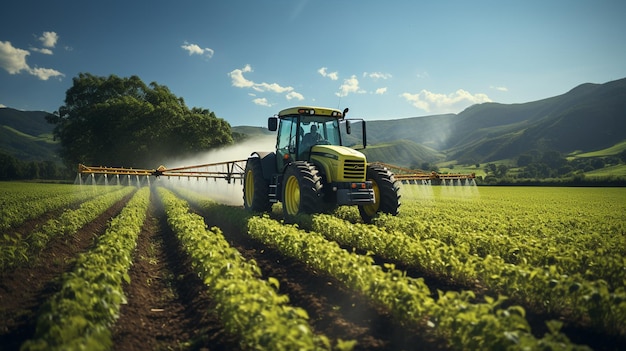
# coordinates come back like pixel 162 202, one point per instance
pixel 622 156
pixel 9 167
pixel 553 159
pixel 427 166
pixel 524 160
pixel 116 121
pixel 12 168
pixel 501 170
pixel 597 163
pixel 567 169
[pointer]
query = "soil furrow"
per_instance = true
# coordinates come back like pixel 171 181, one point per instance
pixel 25 289
pixel 168 307
pixel 333 310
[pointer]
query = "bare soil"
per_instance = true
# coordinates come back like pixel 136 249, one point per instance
pixel 25 289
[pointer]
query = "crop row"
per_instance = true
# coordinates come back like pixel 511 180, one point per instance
pixel 80 315
pixel 578 230
pixel 452 316
pixel 571 295
pixel 10 192
pixel 17 249
pixel 20 202
pixel 249 306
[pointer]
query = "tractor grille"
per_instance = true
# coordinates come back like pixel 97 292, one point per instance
pixel 354 169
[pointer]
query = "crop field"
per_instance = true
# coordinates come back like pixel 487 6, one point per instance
pixel 167 267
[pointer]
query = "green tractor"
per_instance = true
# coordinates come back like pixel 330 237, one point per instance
pixel 312 169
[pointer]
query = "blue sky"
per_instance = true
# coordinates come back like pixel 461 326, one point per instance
pixel 247 60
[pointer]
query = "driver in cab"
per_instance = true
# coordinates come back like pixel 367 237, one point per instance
pixel 311 138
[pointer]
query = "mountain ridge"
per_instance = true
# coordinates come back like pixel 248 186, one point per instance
pixel 587 118
pixel 27 135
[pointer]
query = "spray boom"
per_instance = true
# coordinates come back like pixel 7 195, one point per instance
pixel 234 170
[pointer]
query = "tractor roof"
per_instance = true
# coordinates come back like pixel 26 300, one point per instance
pixel 311 110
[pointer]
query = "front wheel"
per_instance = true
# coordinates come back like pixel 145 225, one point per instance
pixel 302 190
pixel 386 193
pixel 255 188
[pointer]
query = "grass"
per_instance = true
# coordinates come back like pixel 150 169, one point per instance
pixel 44 137
pixel 610 171
pixel 463 169
pixel 610 151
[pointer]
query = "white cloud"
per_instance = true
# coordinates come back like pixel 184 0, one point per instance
pixel 3 105
pixel 239 81
pixel 499 88
pixel 45 73
pixel 377 75
pixel 49 39
pixel 194 49
pixel 294 95
pixel 381 91
pixel 273 87
pixel 350 85
pixel 42 51
pixel 442 103
pixel 13 60
pixel 262 102
pixel 331 75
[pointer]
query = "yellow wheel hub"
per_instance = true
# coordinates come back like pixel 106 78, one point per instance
pixel 292 196
pixel 249 188
pixel 371 209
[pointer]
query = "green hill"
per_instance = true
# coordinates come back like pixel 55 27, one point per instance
pixel 610 151
pixel 403 153
pixel 589 117
pixel 27 136
pixel 431 131
pixel 250 132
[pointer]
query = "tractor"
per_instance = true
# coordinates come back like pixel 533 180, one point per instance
pixel 316 167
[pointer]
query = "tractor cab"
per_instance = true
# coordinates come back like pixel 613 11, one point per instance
pixel 298 134
pixel 317 166
pixel 302 128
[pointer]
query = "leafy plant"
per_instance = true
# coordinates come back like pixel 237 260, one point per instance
pixel 249 306
pixel 80 315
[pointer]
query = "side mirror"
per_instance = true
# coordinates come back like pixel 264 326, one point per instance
pixel 272 124
pixel 348 127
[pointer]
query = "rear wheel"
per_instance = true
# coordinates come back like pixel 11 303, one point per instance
pixel 302 188
pixel 386 193
pixel 255 188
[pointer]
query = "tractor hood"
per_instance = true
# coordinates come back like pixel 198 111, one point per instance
pixel 339 163
pixel 336 152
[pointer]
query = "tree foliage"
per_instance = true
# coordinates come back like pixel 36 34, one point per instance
pixel 550 167
pixel 113 121
pixel 12 168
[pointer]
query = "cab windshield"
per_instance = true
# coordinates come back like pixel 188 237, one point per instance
pixel 316 130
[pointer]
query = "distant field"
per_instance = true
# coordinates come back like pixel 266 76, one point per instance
pixel 611 171
pixel 611 151
pixel 480 172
